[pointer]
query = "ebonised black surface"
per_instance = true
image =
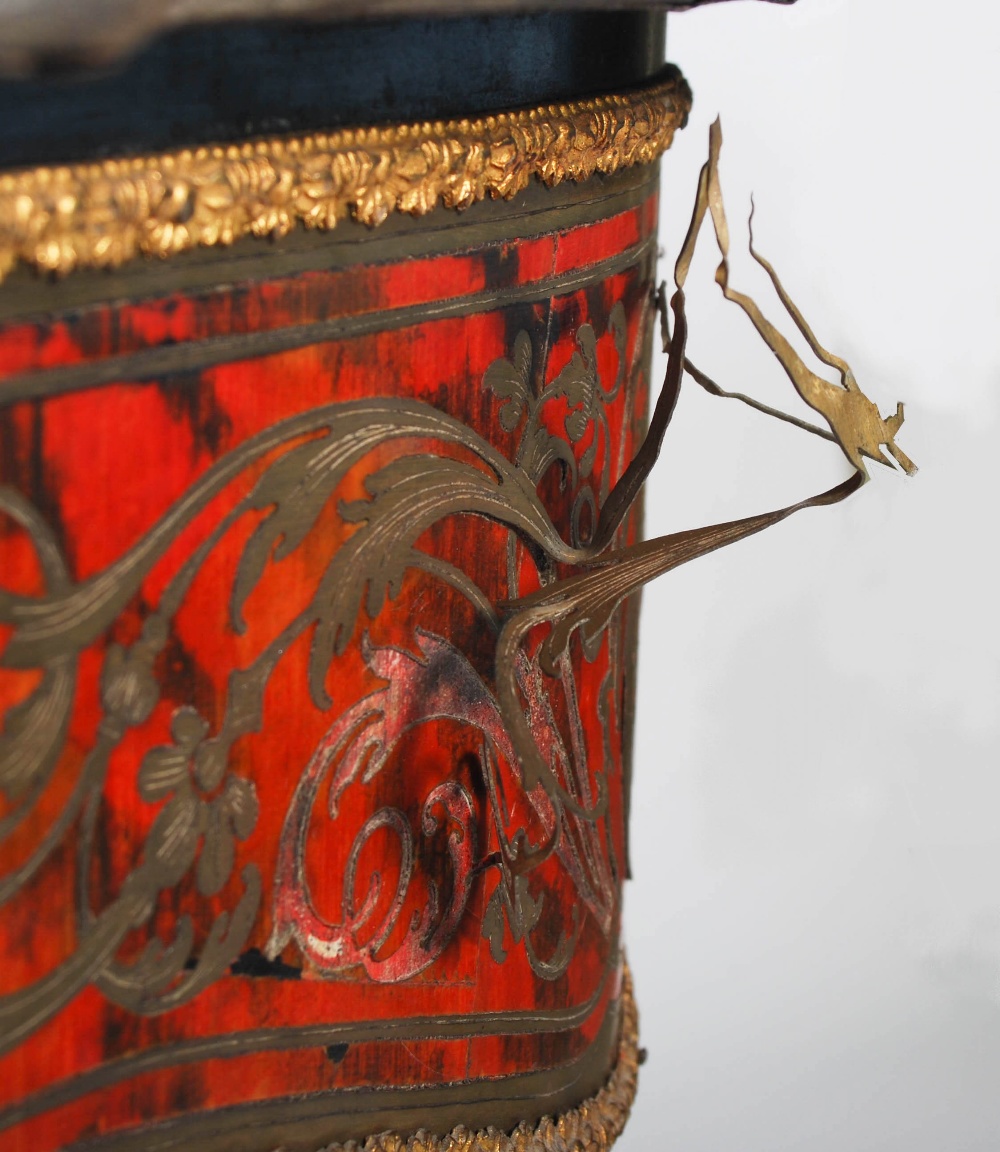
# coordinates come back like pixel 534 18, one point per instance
pixel 226 82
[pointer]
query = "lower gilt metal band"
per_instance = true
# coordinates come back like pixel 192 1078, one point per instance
pixel 100 215
pixel 593 1126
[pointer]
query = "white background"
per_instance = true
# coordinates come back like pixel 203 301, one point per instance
pixel 814 925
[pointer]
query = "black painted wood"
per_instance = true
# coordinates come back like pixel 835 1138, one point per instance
pixel 227 82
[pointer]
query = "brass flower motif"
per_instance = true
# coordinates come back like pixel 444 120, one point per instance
pixel 187 771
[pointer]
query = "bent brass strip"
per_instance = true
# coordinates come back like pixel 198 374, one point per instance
pixel 101 215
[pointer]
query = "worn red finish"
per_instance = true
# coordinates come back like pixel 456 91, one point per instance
pixel 410 709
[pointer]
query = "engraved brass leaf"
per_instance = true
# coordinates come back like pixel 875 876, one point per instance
pixel 510 381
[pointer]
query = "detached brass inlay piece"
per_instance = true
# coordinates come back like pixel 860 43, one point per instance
pixel 99 215
pixel 593 1126
pixel 856 423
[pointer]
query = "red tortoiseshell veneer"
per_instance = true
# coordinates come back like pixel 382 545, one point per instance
pixel 269 860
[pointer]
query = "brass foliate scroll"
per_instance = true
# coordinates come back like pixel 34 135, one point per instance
pixel 316 691
pixel 589 600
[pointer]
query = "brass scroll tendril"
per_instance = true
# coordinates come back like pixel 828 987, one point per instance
pixel 855 421
pixel 589 599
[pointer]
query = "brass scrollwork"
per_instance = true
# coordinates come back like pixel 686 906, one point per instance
pixel 206 807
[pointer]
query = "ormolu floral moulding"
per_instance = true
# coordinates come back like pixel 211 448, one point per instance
pixel 273 853
pixel 103 214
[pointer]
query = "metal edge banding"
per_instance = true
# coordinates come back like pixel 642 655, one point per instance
pixel 310 1036
pixel 101 215
pixel 590 1126
pixel 148 365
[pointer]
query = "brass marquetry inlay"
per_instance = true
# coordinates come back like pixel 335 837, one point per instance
pixel 99 215
pixel 593 1126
